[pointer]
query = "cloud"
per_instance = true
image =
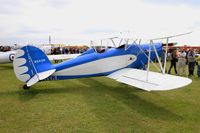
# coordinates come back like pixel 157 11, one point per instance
pixel 195 3
pixel 78 21
pixel 103 30
pixel 13 7
pixel 9 6
pixel 58 3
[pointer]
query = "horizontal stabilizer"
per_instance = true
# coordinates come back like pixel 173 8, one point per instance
pixel 154 82
pixel 40 76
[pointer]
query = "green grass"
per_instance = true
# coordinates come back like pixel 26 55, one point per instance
pixel 95 105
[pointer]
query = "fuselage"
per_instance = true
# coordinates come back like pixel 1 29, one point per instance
pixel 7 57
pixel 92 63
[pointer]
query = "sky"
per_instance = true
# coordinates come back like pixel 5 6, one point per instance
pixel 79 21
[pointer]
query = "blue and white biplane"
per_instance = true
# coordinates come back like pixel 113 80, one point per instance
pixel 125 63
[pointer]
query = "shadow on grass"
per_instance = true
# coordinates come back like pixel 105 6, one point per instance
pixel 125 94
pixel 6 66
pixel 128 96
pixel 26 95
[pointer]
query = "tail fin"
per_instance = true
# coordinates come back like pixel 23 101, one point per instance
pixel 32 65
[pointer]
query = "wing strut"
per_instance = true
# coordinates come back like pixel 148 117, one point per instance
pixel 149 58
pixel 165 61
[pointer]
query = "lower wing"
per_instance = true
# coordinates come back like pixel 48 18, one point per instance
pixel 149 81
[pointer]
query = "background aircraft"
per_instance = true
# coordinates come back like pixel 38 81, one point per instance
pixel 7 57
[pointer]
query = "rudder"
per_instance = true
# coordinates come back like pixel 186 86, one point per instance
pixel 32 65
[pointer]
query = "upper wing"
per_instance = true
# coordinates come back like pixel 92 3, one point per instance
pixel 154 82
pixel 62 56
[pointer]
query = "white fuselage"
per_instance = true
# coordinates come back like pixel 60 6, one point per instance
pixel 98 66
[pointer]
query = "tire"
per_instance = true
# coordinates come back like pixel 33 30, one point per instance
pixel 25 87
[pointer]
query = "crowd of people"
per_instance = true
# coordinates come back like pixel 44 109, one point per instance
pixel 5 48
pixel 181 59
pixel 178 58
pixel 56 50
pixel 68 50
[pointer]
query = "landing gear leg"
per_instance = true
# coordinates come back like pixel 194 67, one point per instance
pixel 25 87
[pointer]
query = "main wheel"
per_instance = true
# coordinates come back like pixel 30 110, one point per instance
pixel 25 87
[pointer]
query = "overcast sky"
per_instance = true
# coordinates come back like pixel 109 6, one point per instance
pixel 79 21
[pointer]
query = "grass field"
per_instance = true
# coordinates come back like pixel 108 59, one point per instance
pixel 95 105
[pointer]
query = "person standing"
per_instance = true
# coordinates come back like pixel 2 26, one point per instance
pixel 181 62
pixel 173 62
pixel 163 58
pixel 191 62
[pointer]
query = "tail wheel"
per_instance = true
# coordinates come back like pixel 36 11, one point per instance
pixel 25 87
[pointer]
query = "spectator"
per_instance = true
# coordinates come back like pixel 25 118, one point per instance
pixel 181 62
pixel 163 58
pixel 1 48
pixel 191 62
pixel 173 62
pixel 63 50
pixel 66 51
